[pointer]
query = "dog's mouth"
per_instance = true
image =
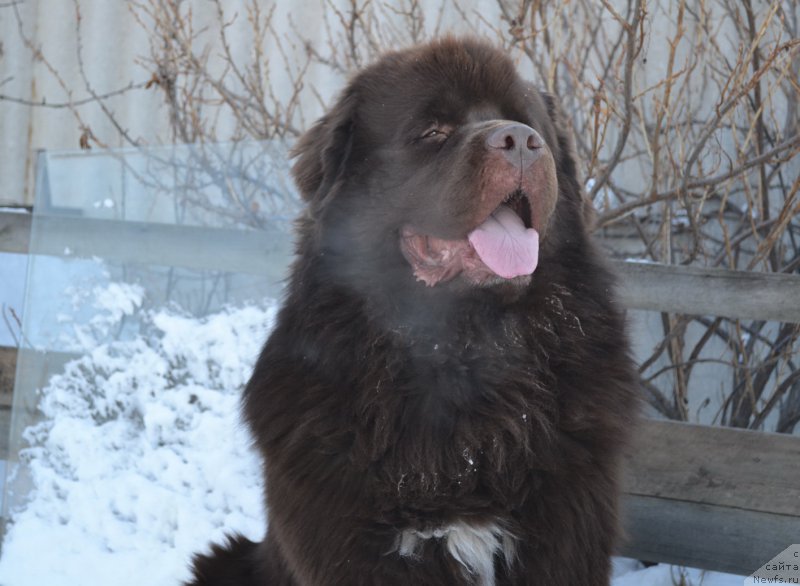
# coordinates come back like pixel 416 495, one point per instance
pixel 503 247
pixel 520 204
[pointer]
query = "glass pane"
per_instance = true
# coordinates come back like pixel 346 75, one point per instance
pixel 151 284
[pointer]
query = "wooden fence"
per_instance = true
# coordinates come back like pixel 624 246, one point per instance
pixel 708 497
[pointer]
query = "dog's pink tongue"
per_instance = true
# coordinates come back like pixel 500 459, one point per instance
pixel 505 245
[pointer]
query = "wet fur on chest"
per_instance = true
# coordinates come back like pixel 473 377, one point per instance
pixel 455 422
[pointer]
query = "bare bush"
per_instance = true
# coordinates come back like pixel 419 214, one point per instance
pixel 697 156
pixel 685 114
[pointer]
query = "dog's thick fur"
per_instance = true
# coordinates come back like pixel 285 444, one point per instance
pixel 422 420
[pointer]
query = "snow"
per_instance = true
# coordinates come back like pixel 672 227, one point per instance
pixel 631 573
pixel 141 459
pixel 644 261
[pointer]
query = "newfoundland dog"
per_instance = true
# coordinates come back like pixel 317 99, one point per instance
pixel 447 391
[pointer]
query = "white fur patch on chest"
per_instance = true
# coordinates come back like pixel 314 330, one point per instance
pixel 472 545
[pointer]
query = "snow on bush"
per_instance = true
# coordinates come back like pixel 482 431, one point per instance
pixel 141 458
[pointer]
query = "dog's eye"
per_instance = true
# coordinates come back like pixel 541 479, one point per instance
pixel 435 132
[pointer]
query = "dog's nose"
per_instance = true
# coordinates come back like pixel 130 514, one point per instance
pixel 519 143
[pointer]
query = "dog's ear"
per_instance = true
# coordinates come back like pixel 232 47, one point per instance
pixel 322 152
pixel 567 162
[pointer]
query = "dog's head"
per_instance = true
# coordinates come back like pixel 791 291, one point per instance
pixel 442 162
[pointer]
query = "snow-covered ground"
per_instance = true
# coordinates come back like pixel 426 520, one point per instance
pixel 141 458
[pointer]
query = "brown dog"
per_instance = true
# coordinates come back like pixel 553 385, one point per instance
pixel 448 388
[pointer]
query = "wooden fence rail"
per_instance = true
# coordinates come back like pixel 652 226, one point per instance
pixel 711 497
pixel 708 497
pixel 699 291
